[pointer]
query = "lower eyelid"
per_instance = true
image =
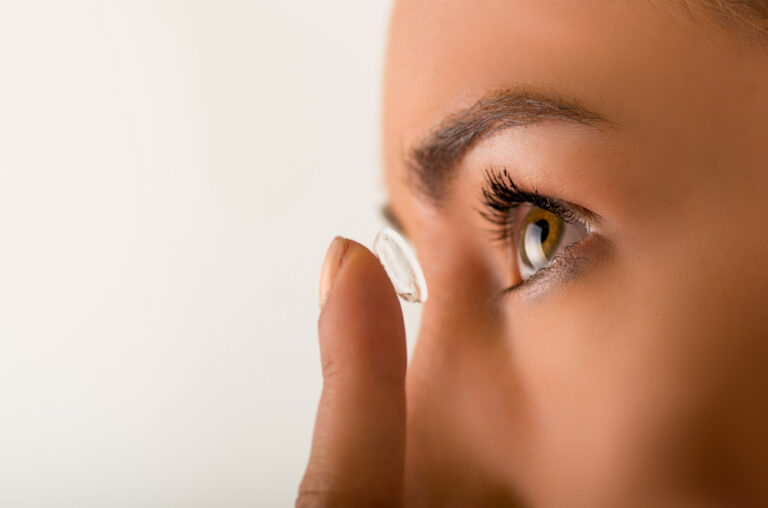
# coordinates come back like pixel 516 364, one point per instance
pixel 565 267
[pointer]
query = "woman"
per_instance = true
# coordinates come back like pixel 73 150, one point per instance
pixel 585 185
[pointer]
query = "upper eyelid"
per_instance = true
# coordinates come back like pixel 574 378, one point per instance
pixel 498 180
pixel 392 220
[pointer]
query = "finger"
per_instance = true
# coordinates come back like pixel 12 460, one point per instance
pixel 358 448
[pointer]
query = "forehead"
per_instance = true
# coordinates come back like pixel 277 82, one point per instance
pixel 616 58
pixel 669 80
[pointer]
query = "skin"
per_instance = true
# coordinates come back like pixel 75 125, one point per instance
pixel 638 379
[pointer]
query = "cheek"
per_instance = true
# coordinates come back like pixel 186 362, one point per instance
pixel 583 357
pixel 574 356
pixel 645 360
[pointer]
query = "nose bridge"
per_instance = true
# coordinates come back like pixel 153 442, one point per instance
pixel 458 305
pixel 458 328
pixel 453 317
pixel 455 386
pixel 457 334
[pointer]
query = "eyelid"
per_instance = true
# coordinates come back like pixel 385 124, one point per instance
pixel 563 268
pixel 569 212
pixel 589 219
pixel 392 220
pixel 501 195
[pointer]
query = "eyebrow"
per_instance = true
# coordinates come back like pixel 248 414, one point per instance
pixel 431 164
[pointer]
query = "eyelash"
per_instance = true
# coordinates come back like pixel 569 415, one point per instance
pixel 502 197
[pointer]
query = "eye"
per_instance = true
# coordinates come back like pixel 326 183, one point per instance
pixel 541 236
pixel 538 230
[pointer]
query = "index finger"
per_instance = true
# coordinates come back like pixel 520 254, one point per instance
pixel 358 447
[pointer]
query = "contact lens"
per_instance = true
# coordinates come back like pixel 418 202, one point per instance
pixel 401 265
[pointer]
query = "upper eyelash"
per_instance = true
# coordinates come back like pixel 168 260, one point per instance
pixel 501 196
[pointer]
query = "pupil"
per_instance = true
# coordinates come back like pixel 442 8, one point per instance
pixel 544 225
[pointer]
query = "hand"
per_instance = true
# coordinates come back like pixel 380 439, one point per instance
pixel 358 448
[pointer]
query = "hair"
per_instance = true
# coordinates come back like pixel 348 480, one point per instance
pixel 750 15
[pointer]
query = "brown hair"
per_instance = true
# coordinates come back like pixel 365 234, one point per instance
pixel 745 14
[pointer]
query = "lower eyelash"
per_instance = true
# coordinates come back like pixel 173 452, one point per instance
pixel 563 268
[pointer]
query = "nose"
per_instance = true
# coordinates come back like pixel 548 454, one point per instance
pixel 461 397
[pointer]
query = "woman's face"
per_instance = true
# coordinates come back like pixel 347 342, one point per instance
pixel 636 365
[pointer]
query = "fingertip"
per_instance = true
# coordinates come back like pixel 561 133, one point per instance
pixel 362 312
pixel 358 449
pixel 334 258
pixel 360 267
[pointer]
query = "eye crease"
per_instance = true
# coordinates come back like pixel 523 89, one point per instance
pixel 540 229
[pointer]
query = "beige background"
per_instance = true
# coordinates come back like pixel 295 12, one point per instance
pixel 170 176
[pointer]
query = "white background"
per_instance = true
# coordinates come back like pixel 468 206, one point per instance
pixel 171 174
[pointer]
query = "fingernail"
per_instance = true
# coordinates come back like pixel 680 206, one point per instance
pixel 333 261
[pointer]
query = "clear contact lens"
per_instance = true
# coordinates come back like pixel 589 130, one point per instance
pixel 401 265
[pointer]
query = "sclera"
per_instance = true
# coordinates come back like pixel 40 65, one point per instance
pixel 401 265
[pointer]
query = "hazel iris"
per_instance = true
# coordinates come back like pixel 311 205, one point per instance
pixel 541 232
